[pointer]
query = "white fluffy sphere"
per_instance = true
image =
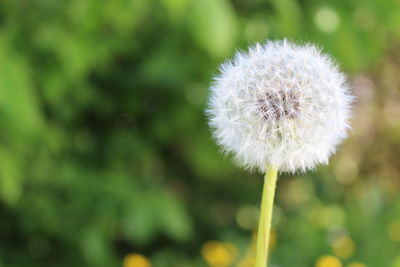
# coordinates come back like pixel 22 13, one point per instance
pixel 280 104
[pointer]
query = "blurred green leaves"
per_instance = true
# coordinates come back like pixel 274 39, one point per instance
pixel 19 109
pixel 213 25
pixel 289 18
pixel 10 179
pixel 155 212
pixel 20 119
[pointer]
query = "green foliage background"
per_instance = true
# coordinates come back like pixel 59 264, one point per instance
pixel 105 150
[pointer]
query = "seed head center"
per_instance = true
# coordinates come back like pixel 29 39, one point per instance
pixel 278 105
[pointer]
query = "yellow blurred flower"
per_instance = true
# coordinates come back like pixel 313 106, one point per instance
pixel 136 260
pixel 219 254
pixel 343 246
pixel 394 230
pixel 328 261
pixel 356 264
pixel 326 216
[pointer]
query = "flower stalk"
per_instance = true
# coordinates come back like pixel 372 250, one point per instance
pixel 264 227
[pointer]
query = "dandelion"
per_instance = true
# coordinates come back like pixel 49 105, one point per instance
pixel 279 107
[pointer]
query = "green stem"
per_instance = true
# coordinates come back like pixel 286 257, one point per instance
pixel 264 226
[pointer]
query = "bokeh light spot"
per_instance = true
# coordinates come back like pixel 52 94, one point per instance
pixel 327 19
pixel 247 216
pixel 343 246
pixel 346 170
pixel 328 216
pixel 297 192
pixel 219 254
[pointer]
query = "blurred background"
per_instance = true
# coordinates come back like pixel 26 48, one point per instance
pixel 106 158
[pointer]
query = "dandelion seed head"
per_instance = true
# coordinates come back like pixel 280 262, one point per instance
pixel 280 104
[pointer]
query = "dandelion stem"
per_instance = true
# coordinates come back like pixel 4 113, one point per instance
pixel 264 226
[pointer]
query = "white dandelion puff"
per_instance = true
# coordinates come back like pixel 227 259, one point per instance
pixel 280 104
